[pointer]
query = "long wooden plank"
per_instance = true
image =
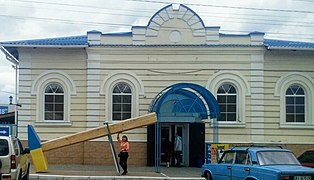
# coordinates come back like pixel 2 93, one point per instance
pixel 100 131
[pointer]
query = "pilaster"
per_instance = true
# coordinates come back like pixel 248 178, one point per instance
pixel 93 86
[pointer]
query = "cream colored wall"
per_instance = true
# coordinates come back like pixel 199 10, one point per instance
pixel 34 62
pixel 160 67
pixel 277 64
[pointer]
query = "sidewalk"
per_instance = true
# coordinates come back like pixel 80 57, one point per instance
pixel 60 172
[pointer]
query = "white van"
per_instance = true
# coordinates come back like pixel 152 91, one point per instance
pixel 14 163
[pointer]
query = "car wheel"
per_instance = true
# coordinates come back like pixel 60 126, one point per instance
pixel 208 176
pixel 26 176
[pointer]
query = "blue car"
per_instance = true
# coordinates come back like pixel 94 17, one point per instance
pixel 257 163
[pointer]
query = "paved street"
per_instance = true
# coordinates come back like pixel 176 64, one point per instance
pixel 108 172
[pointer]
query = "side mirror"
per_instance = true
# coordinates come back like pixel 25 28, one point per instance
pixel 26 151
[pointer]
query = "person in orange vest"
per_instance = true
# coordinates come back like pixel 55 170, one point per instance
pixel 124 153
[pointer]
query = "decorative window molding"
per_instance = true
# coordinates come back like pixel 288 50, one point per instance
pixel 136 85
pixel 38 89
pixel 242 89
pixel 48 75
pixel 307 84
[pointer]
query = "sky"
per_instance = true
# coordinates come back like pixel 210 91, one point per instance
pixel 37 19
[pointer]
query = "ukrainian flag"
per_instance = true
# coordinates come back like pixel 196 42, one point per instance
pixel 38 157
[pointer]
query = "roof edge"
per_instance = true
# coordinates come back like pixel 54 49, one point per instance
pixel 43 46
pixel 288 48
pixel 177 45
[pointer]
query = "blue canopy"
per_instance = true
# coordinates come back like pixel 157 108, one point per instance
pixel 187 101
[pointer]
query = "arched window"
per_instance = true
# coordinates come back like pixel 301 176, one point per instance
pixel 295 104
pixel 227 99
pixel 121 101
pixel 54 102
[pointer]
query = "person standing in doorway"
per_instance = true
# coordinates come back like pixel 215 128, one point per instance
pixel 166 149
pixel 124 153
pixel 178 150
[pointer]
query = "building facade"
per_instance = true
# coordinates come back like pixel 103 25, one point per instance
pixel 264 87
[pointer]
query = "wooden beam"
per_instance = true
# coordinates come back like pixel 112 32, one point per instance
pixel 100 132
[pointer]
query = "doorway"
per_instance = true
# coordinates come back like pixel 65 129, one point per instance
pixel 168 133
pixel 193 140
pixel 184 105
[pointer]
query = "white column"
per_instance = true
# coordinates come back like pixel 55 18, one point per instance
pixel 93 86
pixel 257 98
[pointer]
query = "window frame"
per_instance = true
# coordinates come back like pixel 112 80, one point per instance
pixel 295 105
pixel 226 94
pixel 54 103
pixel 121 103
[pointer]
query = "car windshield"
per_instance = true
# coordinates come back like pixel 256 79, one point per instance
pixel 277 158
pixel 4 147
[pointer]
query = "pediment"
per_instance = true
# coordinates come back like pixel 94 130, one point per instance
pixel 175 18
pixel 173 24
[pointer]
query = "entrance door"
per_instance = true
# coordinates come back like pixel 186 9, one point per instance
pixel 182 130
pixel 193 140
pixel 166 145
pixel 168 132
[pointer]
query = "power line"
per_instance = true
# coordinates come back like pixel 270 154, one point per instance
pixel 88 12
pixel 229 7
pixel 7 92
pixel 73 5
pixel 284 21
pixel 142 10
pixel 311 1
pixel 147 11
pixel 129 26
pixel 257 15
pixel 66 21
pixel 150 11
pixel 148 16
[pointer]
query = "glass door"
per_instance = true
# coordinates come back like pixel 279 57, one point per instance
pixel 166 145
pixel 182 132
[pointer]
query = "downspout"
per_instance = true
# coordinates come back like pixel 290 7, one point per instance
pixel 15 65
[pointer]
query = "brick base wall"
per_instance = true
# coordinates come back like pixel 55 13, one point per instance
pixel 96 153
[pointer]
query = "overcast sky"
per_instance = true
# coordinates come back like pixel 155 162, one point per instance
pixel 30 19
